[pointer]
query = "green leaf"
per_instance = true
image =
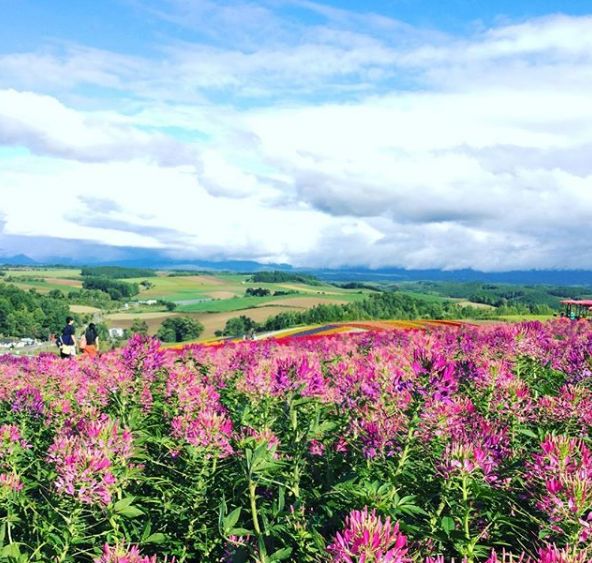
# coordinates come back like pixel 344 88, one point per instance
pixel 157 538
pixel 281 554
pixel 123 504
pixel 12 550
pixel 240 532
pixel 221 512
pixel 527 432
pixel 147 531
pixel 231 520
pixel 131 512
pixel 447 524
pixel 281 499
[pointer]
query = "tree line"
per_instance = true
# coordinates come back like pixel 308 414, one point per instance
pixel 117 290
pixel 276 276
pixel 116 272
pixel 381 306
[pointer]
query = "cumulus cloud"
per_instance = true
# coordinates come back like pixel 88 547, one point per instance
pixel 354 140
pixel 45 126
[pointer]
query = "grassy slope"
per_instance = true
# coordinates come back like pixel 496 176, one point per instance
pixel 63 279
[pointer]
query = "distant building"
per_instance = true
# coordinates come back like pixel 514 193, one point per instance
pixel 12 343
pixel 148 302
pixel 116 332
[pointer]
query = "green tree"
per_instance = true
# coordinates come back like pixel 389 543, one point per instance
pixel 239 326
pixel 169 305
pixel 139 327
pixel 179 329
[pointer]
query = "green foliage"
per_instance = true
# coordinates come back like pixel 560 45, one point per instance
pixel 391 305
pixel 257 292
pixel 116 272
pixel 357 285
pixel 115 289
pixel 168 305
pixel 239 326
pixel 139 327
pixel 179 329
pixel 92 298
pixel 515 298
pixel 28 314
pixel 283 277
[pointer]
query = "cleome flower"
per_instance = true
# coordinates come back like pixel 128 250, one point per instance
pixel 368 539
pixel 11 447
pixel 88 459
pixel 561 477
pixel 207 430
pixel 122 554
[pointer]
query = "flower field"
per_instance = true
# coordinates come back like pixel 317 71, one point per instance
pixel 455 442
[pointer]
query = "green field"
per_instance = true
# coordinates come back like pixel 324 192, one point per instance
pixel 525 317
pixel 214 298
pixel 43 280
pixel 240 303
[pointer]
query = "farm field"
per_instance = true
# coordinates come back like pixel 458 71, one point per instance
pixel 55 273
pixel 214 298
pixel 464 442
pixel 211 321
pixel 84 309
pixel 44 280
pixel 229 289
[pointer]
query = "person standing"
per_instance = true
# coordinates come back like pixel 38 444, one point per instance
pixel 91 341
pixel 68 347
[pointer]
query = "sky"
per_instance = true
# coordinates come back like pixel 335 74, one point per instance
pixel 406 133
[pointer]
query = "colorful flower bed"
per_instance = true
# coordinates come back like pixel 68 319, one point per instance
pixel 454 442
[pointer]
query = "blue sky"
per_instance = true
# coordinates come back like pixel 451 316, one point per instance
pixel 132 26
pixel 408 133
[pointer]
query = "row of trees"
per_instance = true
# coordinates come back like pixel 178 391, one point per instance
pixel 116 272
pixel 501 295
pixel 263 292
pixel 283 277
pixel 374 307
pixel 179 329
pixel 115 289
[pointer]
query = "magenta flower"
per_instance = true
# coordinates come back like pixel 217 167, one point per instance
pixel 10 482
pixel 553 554
pixel 122 554
pixel 561 480
pixel 316 448
pixel 207 430
pixel 368 539
pixel 89 458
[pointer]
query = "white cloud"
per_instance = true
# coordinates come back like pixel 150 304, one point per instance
pixel 46 126
pixel 446 152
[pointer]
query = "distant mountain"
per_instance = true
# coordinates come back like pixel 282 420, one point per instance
pixel 69 252
pixel 18 260
pixel 526 277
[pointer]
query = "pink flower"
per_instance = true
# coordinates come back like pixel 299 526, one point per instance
pixel 122 554
pixel 561 480
pixel 88 458
pixel 368 539
pixel 316 448
pixel 10 482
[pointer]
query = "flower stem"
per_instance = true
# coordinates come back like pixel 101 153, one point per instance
pixel 254 515
pixel 466 518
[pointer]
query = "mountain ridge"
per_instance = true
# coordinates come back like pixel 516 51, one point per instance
pixel 349 273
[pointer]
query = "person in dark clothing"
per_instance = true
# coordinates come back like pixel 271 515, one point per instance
pixel 68 347
pixel 91 341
